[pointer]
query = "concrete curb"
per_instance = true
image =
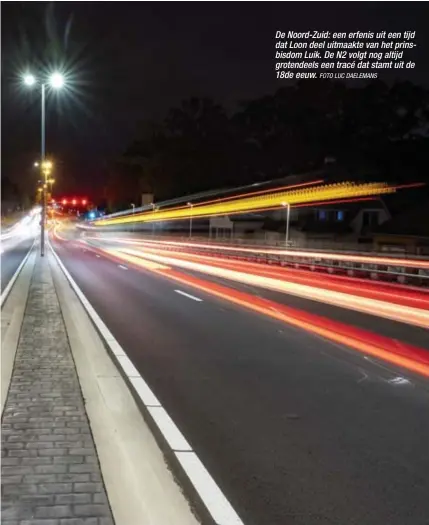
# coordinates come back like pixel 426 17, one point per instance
pixel 8 289
pixel 12 312
pixel 205 497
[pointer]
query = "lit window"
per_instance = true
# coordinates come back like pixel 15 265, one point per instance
pixel 340 215
pixel 322 215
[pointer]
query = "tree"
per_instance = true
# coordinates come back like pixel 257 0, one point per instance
pixel 375 131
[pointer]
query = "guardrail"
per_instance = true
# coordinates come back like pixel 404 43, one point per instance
pixel 383 266
pixel 409 270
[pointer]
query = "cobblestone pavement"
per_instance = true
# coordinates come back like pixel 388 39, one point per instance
pixel 50 470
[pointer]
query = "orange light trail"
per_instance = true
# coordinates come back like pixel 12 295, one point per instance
pixel 336 201
pixel 55 233
pixel 147 264
pixel 401 313
pixel 236 197
pixel 255 193
pixel 400 354
pixel 308 204
pixel 377 307
pixel 381 291
pixel 256 203
pixel 343 257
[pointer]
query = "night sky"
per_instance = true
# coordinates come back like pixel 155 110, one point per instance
pixel 129 62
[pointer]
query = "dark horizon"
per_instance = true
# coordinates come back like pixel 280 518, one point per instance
pixel 130 63
pixel 175 354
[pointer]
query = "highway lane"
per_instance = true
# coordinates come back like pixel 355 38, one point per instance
pixel 397 331
pixel 11 257
pixel 294 429
pixel 394 301
pixel 16 242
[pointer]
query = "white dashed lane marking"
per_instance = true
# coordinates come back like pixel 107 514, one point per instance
pixel 189 296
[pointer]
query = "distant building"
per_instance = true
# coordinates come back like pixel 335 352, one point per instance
pixel 339 222
pixel 407 231
pixel 147 199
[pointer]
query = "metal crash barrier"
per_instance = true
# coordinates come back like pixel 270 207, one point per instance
pixel 376 266
pixel 409 270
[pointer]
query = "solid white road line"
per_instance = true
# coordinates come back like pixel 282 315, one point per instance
pixel 143 489
pixel 189 296
pixel 122 266
pixel 175 438
pixel 221 510
pixel 213 498
pixel 10 284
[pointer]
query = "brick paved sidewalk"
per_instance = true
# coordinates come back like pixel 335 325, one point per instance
pixel 50 470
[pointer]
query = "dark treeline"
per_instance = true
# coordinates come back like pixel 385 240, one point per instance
pixel 376 131
pixel 373 132
pixel 12 196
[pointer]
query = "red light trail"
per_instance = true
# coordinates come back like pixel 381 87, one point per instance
pixel 392 301
pixel 342 257
pixel 398 353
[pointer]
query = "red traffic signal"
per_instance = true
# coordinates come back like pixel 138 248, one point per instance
pixel 75 201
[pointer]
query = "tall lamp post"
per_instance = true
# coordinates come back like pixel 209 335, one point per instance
pixel 133 206
pixel 154 208
pixel 51 182
pixel 45 169
pixel 287 206
pixel 190 220
pixel 55 81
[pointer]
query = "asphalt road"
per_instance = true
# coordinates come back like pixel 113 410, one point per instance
pixel 382 326
pixel 294 429
pixel 11 258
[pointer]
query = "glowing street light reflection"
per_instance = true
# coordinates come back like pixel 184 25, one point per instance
pixel 29 80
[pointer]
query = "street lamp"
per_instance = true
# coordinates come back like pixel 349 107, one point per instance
pixel 190 220
pixel 154 209
pixel 29 80
pixel 51 182
pixel 287 206
pixel 133 207
pixel 55 81
pixel 39 195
